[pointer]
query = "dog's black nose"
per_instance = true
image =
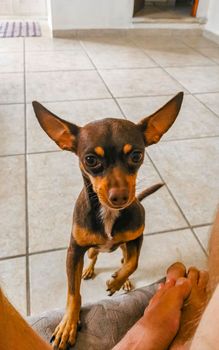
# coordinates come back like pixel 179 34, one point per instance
pixel 118 196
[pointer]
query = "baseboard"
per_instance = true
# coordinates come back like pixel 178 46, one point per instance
pixel 83 33
pixel 212 36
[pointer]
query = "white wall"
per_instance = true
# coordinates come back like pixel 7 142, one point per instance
pixel 202 11
pixel 77 14
pixel 213 17
pixel 35 8
pixel 87 14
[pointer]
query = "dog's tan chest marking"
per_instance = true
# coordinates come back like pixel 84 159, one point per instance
pixel 85 237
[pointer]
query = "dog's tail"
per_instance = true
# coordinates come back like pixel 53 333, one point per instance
pixel 149 191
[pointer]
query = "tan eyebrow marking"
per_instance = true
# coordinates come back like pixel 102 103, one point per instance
pixel 127 148
pixel 99 151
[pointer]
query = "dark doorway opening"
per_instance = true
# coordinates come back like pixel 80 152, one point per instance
pixel 172 10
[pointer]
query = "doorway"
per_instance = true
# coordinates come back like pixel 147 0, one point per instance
pixel 165 11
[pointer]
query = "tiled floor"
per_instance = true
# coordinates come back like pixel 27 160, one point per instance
pixel 124 76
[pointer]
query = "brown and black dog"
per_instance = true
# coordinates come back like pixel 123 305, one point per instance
pixel 107 213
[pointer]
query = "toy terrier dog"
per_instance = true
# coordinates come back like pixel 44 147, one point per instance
pixel 107 214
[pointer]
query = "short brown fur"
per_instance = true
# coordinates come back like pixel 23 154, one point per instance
pixel 107 214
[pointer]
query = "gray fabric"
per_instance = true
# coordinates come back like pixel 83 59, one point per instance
pixel 103 323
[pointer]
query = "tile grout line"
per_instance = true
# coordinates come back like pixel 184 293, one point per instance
pixel 199 241
pixel 196 49
pixel 28 306
pixel 177 229
pixel 64 248
pixel 180 66
pixel 204 105
pixel 195 93
pixel 101 78
pixel 145 234
pixel 117 97
pixel 176 203
pixel 164 70
pixel 109 69
pixel 33 253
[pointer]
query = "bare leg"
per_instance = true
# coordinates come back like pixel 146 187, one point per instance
pixel 15 333
pixel 213 263
pixel 201 291
pixel 207 335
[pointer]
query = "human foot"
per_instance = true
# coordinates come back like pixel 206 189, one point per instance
pixel 159 325
pixel 192 308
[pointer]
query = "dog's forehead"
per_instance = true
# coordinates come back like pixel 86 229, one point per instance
pixel 110 132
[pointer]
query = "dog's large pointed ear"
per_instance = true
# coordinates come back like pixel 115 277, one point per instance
pixel 154 126
pixel 59 130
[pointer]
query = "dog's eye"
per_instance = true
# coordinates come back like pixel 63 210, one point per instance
pixel 91 161
pixel 136 156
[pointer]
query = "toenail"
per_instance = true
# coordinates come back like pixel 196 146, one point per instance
pixel 181 281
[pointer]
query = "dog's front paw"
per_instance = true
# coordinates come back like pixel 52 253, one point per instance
pixel 65 334
pixel 88 273
pixel 113 285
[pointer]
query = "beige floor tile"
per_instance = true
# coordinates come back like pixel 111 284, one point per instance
pixel 198 41
pixel 54 182
pixel 117 56
pixel 194 119
pixel 12 129
pixel 211 101
pixel 178 56
pixel 95 289
pixel 197 79
pixel 161 211
pixel 203 234
pixel 190 169
pixel 79 112
pixel 11 88
pixel 11 44
pixel 47 281
pixel 139 82
pixel 59 86
pixel 211 52
pixel 51 44
pixel 12 206
pixel 48 287
pixel 105 41
pixel 158 42
pixel 160 251
pixel 57 60
pixel 11 62
pixel 13 282
pixel 157 254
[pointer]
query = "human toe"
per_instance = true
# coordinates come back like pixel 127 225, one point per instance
pixel 193 275
pixel 203 279
pixel 176 271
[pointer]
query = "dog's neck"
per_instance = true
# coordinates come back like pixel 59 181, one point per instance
pixel 108 217
pixel 105 214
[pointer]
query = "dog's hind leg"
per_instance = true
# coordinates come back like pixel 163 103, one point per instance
pixel 127 286
pixel 89 271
